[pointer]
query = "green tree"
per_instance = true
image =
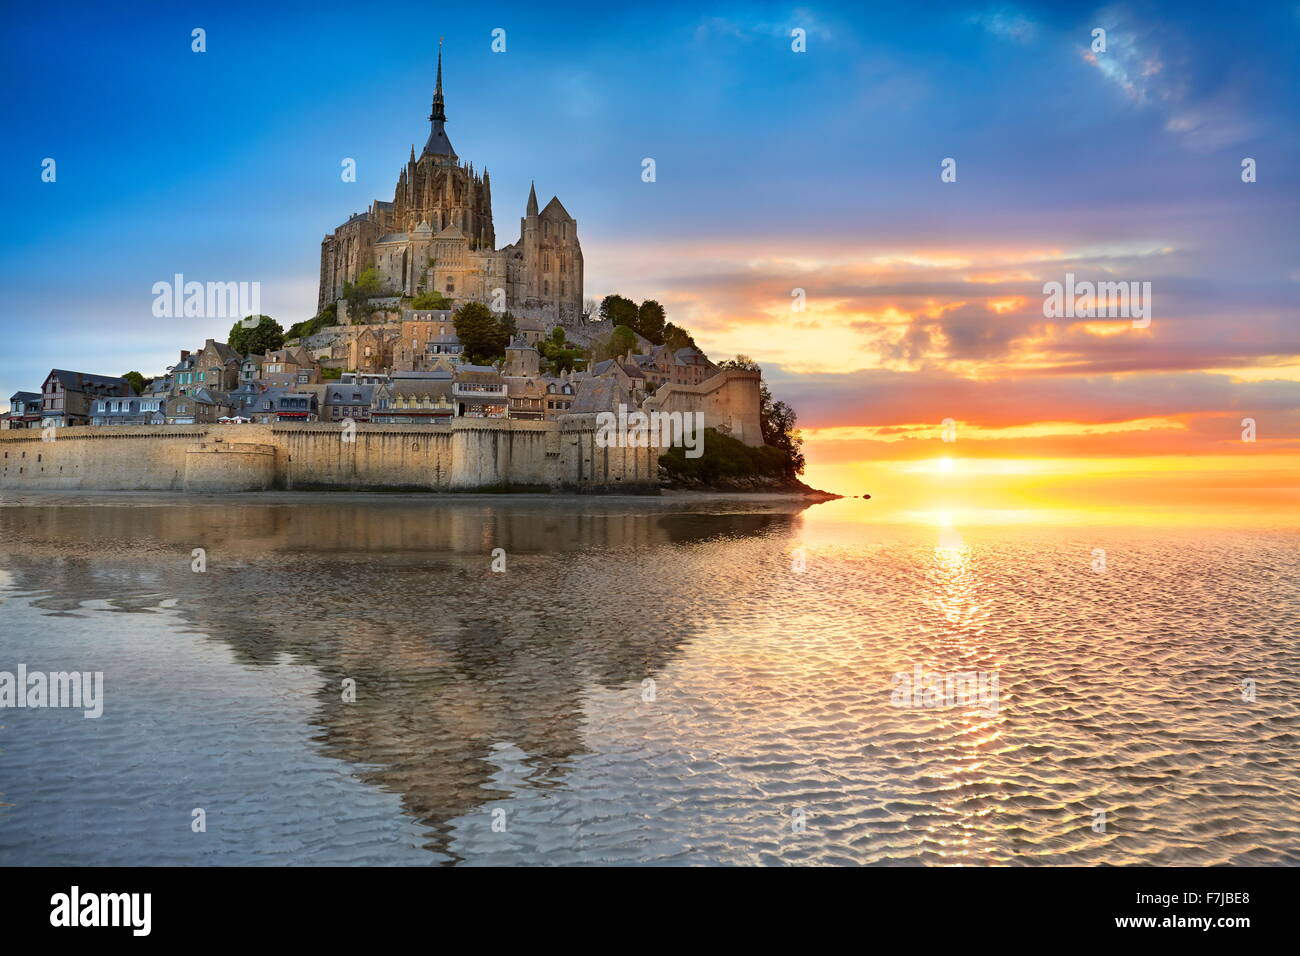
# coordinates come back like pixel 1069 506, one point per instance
pixel 266 336
pixel 136 381
pixel 723 458
pixel 432 300
pixel 621 341
pixel 483 334
pixel 558 355
pixel 650 321
pixel 618 310
pixel 300 330
pixel 368 285
pixel 676 337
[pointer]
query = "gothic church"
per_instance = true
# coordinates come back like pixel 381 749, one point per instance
pixel 437 235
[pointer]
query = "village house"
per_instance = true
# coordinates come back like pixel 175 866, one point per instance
pixel 24 410
pixel 216 366
pixel 559 398
pixel 416 401
pixel 67 397
pixel 284 405
pixel 531 330
pixel 663 366
pixel 202 407
pixel 250 370
pixel 479 391
pixel 370 350
pixel 426 336
pixel 626 373
pixel 244 398
pixel 363 378
pixel 347 401
pixel 288 368
pixel 140 410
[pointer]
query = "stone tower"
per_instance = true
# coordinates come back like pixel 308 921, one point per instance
pixel 552 260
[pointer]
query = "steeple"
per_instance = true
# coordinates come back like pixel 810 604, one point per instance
pixel 438 144
pixel 532 200
pixel 439 112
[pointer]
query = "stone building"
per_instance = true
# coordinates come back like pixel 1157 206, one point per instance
pixel 437 234
pixel 200 407
pixel 67 397
pixel 479 391
pixel 347 401
pixel 428 339
pixel 369 350
pixel 217 366
pixel 424 401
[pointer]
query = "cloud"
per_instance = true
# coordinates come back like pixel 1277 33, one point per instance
pixel 1151 64
pixel 1006 22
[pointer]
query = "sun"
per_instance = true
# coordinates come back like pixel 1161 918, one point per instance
pixel 945 466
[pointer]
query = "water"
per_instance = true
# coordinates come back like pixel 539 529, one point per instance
pixel 649 681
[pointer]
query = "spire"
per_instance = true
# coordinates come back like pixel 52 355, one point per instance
pixel 439 113
pixel 532 200
pixel 438 144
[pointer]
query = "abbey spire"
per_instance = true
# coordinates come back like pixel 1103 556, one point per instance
pixel 438 144
pixel 436 235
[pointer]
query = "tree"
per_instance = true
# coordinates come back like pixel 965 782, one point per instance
pixel 621 341
pixel 558 354
pixel 368 285
pixel 328 316
pixel 432 300
pixel 266 336
pixel 676 337
pixel 136 381
pixel 650 321
pixel 484 335
pixel 618 310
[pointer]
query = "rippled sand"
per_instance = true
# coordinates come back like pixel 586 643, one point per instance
pixel 647 682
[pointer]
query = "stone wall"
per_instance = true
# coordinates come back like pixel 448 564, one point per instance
pixel 729 401
pixel 469 454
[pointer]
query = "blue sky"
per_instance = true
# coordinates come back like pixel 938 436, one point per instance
pixel 775 170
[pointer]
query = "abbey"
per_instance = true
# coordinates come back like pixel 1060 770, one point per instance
pixel 437 235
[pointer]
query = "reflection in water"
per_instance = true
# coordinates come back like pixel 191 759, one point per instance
pixel 450 659
pixel 647 681
pixel 963 828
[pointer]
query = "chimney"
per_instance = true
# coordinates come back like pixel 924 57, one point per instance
pixel 185 353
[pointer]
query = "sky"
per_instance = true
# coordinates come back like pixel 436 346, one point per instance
pixel 775 170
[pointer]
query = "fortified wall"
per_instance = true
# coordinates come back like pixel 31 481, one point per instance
pixel 729 401
pixel 467 455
